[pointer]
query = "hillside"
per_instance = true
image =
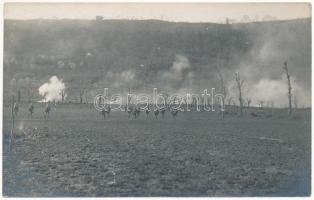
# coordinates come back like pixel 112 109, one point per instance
pixel 122 54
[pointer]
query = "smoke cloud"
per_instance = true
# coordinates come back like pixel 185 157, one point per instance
pixel 179 76
pixel 262 67
pixel 51 89
pixel 275 91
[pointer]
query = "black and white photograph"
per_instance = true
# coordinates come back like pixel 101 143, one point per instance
pixel 156 99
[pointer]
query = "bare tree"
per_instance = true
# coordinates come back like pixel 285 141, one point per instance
pixel 239 83
pixel 289 87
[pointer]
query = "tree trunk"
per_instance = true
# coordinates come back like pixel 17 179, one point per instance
pixel 289 88
pixel 239 85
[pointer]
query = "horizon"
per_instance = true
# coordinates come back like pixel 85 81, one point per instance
pixel 159 20
pixel 170 12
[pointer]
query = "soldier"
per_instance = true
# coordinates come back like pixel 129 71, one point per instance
pixel 156 112
pixel 174 112
pixel 130 110
pixel 103 112
pixel 136 112
pixel 108 111
pixel 31 109
pixel 147 111
pixel 47 110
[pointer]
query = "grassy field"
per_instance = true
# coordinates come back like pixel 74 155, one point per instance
pixel 77 153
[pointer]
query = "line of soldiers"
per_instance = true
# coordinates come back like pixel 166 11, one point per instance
pixel 135 111
pixel 31 109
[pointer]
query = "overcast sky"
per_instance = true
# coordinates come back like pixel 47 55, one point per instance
pixel 204 12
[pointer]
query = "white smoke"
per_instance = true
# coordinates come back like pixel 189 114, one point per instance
pixel 276 91
pixel 124 79
pixel 176 72
pixel 269 91
pixel 51 90
pixel 179 76
pixel 127 75
pixel 263 74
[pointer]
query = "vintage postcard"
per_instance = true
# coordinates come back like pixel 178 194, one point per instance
pixel 156 100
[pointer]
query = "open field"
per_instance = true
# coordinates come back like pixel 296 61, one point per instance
pixel 77 153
